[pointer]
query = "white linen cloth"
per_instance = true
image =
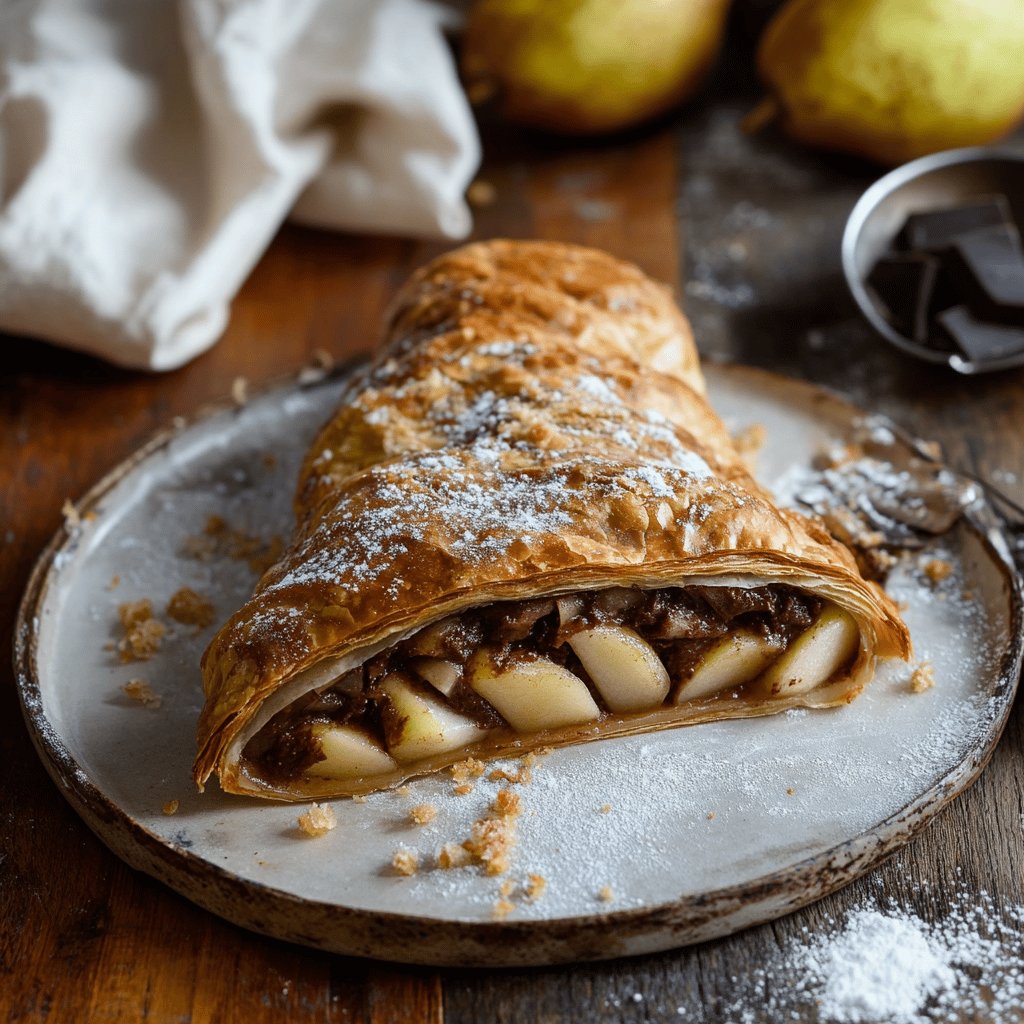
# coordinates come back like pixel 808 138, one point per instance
pixel 149 150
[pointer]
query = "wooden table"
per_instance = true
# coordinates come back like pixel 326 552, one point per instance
pixel 754 227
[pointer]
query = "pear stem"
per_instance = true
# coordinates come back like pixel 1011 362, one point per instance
pixel 764 113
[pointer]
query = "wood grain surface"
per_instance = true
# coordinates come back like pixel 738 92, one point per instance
pixel 748 231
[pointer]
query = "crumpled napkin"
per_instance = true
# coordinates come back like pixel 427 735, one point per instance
pixel 150 149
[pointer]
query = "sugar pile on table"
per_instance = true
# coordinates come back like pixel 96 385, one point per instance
pixel 886 964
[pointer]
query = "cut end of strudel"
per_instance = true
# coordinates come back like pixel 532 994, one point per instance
pixel 524 526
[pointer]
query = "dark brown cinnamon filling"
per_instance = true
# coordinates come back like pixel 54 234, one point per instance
pixel 679 623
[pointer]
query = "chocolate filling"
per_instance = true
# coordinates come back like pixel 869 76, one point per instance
pixel 679 623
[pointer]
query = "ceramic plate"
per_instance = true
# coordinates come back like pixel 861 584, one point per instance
pixel 645 843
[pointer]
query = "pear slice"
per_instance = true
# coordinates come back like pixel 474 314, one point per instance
pixel 349 753
pixel 427 726
pixel 814 656
pixel 730 662
pixel 623 666
pixel 441 674
pixel 533 695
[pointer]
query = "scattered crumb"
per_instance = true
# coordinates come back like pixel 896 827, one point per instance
pixel 967 595
pixel 507 804
pixel 605 808
pixel 240 391
pixel 749 442
pixel 791 791
pixel 453 855
pixel 269 460
pixel 114 583
pixel 491 844
pixel 171 807
pixel 403 790
pixel 922 678
pixel 937 569
pixel 139 690
pixel 507 888
pixel 471 768
pixel 405 862
pixel 318 820
pixel 481 193
pixel 464 789
pixel 143 633
pixel 522 776
pixel 219 540
pixel 502 909
pixel 606 894
pixel 542 752
pixel 711 815
pixel 72 520
pixel 190 608
pixel 422 813
pixel 360 798
pixel 535 886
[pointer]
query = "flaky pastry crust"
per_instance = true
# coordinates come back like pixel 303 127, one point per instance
pixel 534 424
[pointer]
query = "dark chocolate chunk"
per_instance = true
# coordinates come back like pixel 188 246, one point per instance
pixel 935 230
pixel 904 284
pixel 980 340
pixel 991 265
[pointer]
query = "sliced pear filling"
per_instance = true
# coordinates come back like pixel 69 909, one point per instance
pixel 533 695
pixel 625 668
pixel 474 682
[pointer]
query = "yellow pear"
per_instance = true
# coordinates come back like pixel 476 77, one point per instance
pixel 589 66
pixel 891 80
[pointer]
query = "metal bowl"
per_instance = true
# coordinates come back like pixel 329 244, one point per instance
pixel 937 180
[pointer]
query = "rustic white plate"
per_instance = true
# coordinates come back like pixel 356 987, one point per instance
pixel 710 829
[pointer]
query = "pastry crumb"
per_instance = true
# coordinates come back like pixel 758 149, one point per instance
pixel 422 813
pixel 171 807
pixel 360 798
pixel 139 690
pixel 405 862
pixel 491 844
pixel 507 804
pixel 605 808
pixel 791 791
pixel 318 820
pixel 535 886
pixel 937 569
pixel 922 678
pixel 711 815
pixel 220 540
pixel 240 390
pixel 502 909
pixel 471 768
pixel 72 520
pixel 606 894
pixel 464 789
pixel 507 888
pixel 403 790
pixel 520 777
pixel 453 855
pixel 191 609
pixel 115 582
pixel 143 633
pixel 481 193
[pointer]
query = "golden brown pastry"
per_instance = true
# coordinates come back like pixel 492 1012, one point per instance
pixel 525 526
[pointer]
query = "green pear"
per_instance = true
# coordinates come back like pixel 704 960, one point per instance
pixel 586 67
pixel 892 80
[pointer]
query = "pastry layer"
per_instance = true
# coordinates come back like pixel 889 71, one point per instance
pixel 534 426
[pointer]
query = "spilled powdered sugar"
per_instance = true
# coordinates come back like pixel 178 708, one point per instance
pixel 883 964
